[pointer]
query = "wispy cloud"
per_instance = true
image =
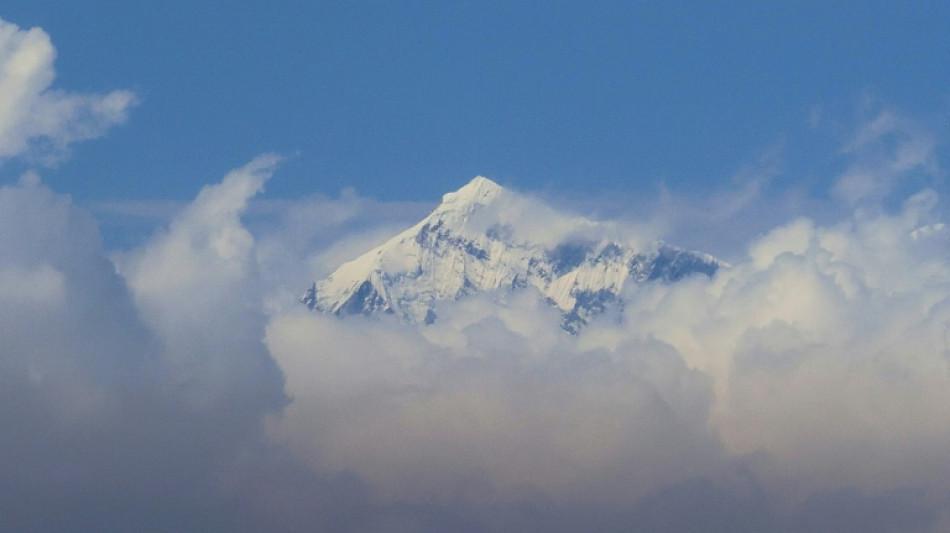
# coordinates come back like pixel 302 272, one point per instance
pixel 36 120
pixel 886 151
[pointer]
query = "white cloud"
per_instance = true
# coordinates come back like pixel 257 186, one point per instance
pixel 886 150
pixel 806 379
pixel 307 238
pixel 42 285
pixel 489 409
pixel 140 406
pixel 198 287
pixel 827 348
pixel 37 120
pixel 813 370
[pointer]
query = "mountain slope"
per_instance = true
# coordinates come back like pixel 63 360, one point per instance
pixel 485 238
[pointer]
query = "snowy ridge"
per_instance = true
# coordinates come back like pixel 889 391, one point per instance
pixel 465 246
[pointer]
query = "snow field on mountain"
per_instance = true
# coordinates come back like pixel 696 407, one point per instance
pixel 468 244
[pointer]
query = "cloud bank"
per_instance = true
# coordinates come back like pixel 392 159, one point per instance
pixel 178 385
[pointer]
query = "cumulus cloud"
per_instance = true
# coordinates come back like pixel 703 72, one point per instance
pixel 800 389
pixel 824 352
pixel 37 120
pixel 795 389
pixel 487 409
pixel 827 349
pixel 197 286
pixel 134 404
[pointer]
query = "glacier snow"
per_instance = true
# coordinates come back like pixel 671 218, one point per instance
pixel 481 239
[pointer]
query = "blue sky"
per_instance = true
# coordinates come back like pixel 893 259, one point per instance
pixel 406 101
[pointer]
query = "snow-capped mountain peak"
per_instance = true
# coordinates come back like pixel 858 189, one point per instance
pixel 479 192
pixel 470 244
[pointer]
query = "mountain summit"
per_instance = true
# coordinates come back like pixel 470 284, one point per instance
pixel 483 238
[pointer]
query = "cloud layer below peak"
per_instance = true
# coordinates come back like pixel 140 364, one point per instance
pixel 798 387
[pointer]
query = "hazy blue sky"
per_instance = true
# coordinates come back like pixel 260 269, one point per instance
pixel 407 100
